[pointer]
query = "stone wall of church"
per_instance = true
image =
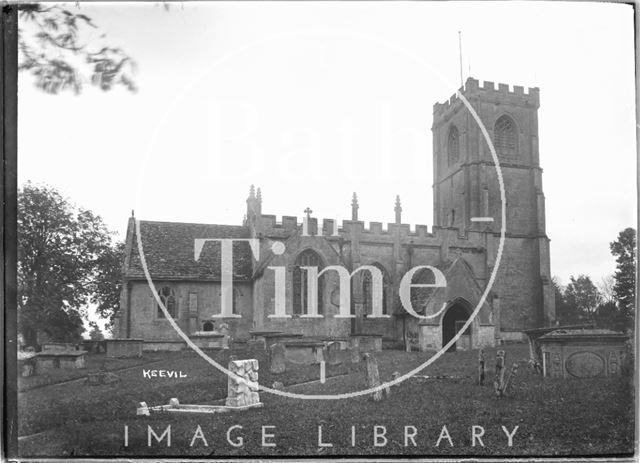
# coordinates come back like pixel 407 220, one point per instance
pixel 518 285
pixel 265 293
pixel 196 302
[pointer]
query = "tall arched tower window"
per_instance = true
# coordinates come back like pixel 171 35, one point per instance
pixel 307 258
pixel 367 290
pixel 168 298
pixel 505 137
pixel 453 145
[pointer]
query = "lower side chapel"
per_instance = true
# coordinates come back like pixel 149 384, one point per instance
pixel 462 244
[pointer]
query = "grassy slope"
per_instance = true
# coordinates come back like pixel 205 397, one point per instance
pixel 555 417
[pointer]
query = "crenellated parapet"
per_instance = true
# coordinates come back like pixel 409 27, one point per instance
pixel 406 234
pixel 488 91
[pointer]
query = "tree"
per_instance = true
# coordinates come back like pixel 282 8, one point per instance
pixel 52 50
pixel 107 282
pixel 606 288
pixel 61 252
pixel 566 314
pixel 624 288
pixel 584 296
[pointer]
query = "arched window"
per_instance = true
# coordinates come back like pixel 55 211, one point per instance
pixel 367 289
pixel 307 258
pixel 505 137
pixel 207 326
pixel 420 296
pixel 168 298
pixel 453 145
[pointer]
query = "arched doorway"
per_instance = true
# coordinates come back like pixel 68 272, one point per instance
pixel 452 322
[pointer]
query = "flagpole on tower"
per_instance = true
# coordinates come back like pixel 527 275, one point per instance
pixel 460 50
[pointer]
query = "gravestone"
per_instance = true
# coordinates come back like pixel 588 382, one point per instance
pixel 242 386
pixel 333 353
pixel 355 354
pixel 481 367
pixel 582 353
pixel 277 353
pixel 223 329
pixel 508 385
pixel 373 376
pixel 27 363
pixel 498 383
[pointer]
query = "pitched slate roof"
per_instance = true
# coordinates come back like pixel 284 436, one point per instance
pixel 169 251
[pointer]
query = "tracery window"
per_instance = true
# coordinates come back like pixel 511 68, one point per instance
pixel 367 289
pixel 307 258
pixel 505 137
pixel 168 298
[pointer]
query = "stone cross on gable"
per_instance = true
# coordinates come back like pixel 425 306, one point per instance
pixel 308 211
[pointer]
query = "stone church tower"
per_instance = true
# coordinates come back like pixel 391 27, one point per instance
pixel 466 186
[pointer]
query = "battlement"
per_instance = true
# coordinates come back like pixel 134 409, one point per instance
pixel 473 88
pixel 372 231
pixel 269 223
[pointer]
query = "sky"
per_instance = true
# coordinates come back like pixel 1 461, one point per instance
pixel 313 101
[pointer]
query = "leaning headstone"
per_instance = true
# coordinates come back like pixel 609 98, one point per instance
pixel 373 376
pixel 242 386
pixel 481 367
pixel 355 354
pixel 277 354
pixel 508 385
pixel 498 383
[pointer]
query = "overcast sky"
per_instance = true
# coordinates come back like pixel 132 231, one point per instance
pixel 312 101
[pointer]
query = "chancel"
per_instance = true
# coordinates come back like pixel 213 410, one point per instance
pixel 462 244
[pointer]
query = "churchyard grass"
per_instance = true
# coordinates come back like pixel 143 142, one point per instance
pixel 93 362
pixel 554 417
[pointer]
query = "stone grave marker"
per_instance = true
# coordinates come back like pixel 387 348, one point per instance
pixel 508 385
pixel 481 367
pixel 355 354
pixel 242 386
pixel 277 354
pixel 373 376
pixel 498 383
pixel 333 351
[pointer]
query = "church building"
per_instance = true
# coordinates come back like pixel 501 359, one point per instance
pixel 462 244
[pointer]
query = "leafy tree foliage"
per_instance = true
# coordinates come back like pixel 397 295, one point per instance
pixel 608 315
pixel 62 250
pixel 107 282
pixel 565 313
pixel 59 48
pixel 624 288
pixel 582 294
